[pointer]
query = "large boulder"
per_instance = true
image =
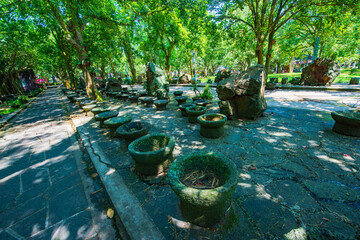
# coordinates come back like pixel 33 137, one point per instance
pixel 185 79
pixel 156 83
pixel 320 72
pixel 245 92
pixel 224 73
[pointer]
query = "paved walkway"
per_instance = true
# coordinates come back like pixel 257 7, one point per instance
pixel 45 188
pixel 305 185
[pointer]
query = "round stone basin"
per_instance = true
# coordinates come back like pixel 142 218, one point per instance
pixel 79 99
pixel 178 93
pixel 347 122
pixel 115 122
pixel 203 205
pixel 72 97
pixel 88 107
pixel 194 112
pixel 132 131
pixel 181 100
pixel 161 104
pixel 202 102
pixel 196 99
pixel 183 108
pixel 101 117
pixel 134 98
pixel 124 96
pixel 87 102
pixel 143 93
pixel 112 94
pixel 212 125
pixel 149 101
pixel 100 109
pixel 152 153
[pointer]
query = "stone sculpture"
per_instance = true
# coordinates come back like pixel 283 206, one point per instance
pixel 319 73
pixel 225 73
pixel 185 78
pixel 156 83
pixel 245 92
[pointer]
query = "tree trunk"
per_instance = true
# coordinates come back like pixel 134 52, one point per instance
pixel 271 42
pixel 206 72
pixel 260 53
pixel 167 66
pixel 113 68
pixel 102 73
pixel 316 48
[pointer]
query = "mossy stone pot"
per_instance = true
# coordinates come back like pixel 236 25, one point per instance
pixel 212 125
pixel 347 122
pixel 113 123
pixel 100 109
pixel 149 101
pixel 202 102
pixel 152 153
pixel 134 98
pixel 181 100
pixel 194 112
pixel 183 108
pixel 143 93
pixel 178 93
pixel 87 102
pixel 131 131
pixel 124 97
pixel 203 207
pixel 161 104
pixel 196 98
pixel 79 99
pixel 88 107
pixel 72 97
pixel 101 117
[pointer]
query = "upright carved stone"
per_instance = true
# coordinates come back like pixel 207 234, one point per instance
pixel 319 73
pixel 245 92
pixel 225 73
pixel 156 83
pixel 185 78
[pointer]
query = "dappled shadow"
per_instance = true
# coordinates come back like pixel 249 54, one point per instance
pixel 294 171
pixel 40 186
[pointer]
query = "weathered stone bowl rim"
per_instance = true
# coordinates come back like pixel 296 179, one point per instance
pixel 127 135
pixel 125 117
pixel 161 102
pixel 170 145
pixel 340 116
pixel 190 111
pixel 217 123
pixel 180 98
pixel 179 187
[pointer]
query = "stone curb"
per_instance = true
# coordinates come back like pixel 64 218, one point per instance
pixel 137 223
pixel 10 116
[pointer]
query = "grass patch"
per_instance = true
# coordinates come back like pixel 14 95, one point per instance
pixel 344 77
pixel 8 111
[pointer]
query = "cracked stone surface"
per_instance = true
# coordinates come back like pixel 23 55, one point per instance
pixel 42 188
pixel 305 181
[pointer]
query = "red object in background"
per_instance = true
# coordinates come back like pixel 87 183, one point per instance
pixel 38 81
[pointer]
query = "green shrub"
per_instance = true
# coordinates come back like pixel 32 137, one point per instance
pixel 207 95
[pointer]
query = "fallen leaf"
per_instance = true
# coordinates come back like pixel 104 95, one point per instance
pixel 110 213
pixel 304 146
pixel 345 155
pixel 94 175
pixel 325 219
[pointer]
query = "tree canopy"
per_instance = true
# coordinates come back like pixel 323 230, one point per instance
pixel 75 39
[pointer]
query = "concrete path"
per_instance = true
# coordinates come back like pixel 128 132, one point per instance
pixel 304 184
pixel 45 188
